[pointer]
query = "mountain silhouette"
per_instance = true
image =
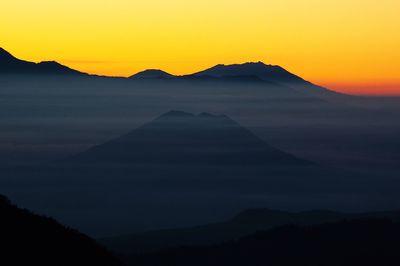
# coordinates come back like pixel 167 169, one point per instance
pixel 245 223
pixel 152 74
pixel 237 72
pixel 265 72
pixel 178 137
pixel 29 239
pixel 12 65
pixel 272 74
pixel 347 243
pixel 6 56
pixel 180 169
pixel 247 72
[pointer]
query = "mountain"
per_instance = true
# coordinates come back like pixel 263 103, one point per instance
pixel 29 239
pixel 247 72
pixel 245 223
pixel 178 137
pixel 179 170
pixel 272 74
pixel 241 72
pixel 12 65
pixel 346 243
pixel 152 74
pixel 265 72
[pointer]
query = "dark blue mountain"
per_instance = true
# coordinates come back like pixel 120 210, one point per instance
pixel 245 223
pixel 181 169
pixel 358 242
pixel 152 74
pixel 247 72
pixel 269 73
pixel 182 138
pixel 240 72
pixel 265 72
pixel 12 65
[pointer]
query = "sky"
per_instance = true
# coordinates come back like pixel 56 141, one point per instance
pixel 347 45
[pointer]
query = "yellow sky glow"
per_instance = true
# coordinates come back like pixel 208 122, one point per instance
pixel 338 43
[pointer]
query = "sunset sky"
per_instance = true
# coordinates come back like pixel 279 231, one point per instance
pixel 347 45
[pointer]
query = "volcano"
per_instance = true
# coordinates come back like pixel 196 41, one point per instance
pixel 177 137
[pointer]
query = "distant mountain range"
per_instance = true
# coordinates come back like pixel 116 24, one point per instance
pixel 259 71
pixel 29 239
pixel 181 169
pixel 177 137
pixel 359 242
pixel 246 72
pixel 11 65
pixel 245 223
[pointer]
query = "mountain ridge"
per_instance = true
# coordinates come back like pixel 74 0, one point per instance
pixel 353 242
pixel 179 137
pixel 258 69
pixel 245 72
pixel 12 65
pixel 244 223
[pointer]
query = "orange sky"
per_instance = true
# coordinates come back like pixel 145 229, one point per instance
pixel 347 45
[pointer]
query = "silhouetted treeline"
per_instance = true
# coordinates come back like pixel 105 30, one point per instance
pixel 361 242
pixel 29 239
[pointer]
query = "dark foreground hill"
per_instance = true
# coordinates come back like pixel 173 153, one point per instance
pixel 245 223
pixel 359 242
pixel 29 239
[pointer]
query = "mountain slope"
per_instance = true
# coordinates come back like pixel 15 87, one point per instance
pixel 245 223
pixel 182 138
pixel 29 239
pixel 181 170
pixel 12 65
pixel 358 242
pixel 152 74
pixel 270 73
pixel 265 72
pixel 247 72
